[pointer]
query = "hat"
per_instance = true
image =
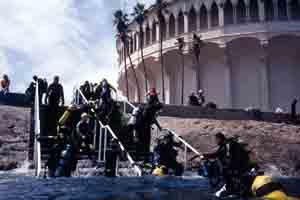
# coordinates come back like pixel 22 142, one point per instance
pixel 152 92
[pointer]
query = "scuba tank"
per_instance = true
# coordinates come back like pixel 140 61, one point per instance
pixel 63 166
pixel 264 187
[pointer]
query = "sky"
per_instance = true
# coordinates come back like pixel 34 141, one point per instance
pixel 74 39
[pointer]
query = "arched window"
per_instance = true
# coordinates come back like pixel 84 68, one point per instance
pixel 228 13
pixel 241 12
pixel 295 10
pixel 214 15
pixel 282 10
pixel 203 18
pixel 163 27
pixel 192 20
pixel 154 39
pixel 269 10
pixel 147 35
pixel 172 26
pixel 180 23
pixel 254 14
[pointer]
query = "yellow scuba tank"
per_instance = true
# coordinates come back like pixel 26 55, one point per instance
pixel 64 117
pixel 265 187
pixel 159 171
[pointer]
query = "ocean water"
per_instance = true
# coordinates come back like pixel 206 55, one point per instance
pixel 20 184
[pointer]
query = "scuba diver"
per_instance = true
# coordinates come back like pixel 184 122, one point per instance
pixel 64 145
pixel 85 135
pixel 165 156
pixel 112 155
pixel 103 94
pixel 149 118
pixel 235 164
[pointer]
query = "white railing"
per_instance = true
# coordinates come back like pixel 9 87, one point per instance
pixel 180 139
pixel 37 131
pixel 104 130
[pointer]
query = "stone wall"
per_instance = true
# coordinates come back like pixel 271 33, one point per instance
pixel 221 114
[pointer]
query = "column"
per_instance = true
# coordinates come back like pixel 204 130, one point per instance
pixel 234 13
pixel 221 15
pixel 248 17
pixel 228 71
pixel 157 32
pixel 265 84
pixel 186 22
pixel 176 26
pixel 167 28
pixel 289 11
pixel 275 4
pixel 209 18
pixel 151 37
pixel 261 11
pixel 137 41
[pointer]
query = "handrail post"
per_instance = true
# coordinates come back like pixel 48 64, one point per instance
pixel 105 144
pixel 185 157
pixel 37 146
pixel 95 133
pixel 100 145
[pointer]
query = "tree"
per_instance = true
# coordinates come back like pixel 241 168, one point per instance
pixel 181 43
pixel 121 22
pixel 139 15
pixel 198 44
pixel 160 7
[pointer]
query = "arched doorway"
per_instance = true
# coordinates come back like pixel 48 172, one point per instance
pixel 254 15
pixel 180 23
pixel 172 26
pixel 192 20
pixel 214 15
pixel 203 18
pixel 282 10
pixel 269 10
pixel 295 9
pixel 228 13
pixel 241 12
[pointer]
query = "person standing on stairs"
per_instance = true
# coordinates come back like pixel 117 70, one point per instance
pixel 85 135
pixel 55 94
pixel 149 118
pixel 54 98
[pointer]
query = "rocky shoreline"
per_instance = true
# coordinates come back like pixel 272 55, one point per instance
pixel 275 146
pixel 14 136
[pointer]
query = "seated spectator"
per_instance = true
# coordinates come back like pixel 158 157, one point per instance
pixel 193 100
pixel 5 83
pixel 201 97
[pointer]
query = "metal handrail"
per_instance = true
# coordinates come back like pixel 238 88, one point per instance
pixel 37 131
pixel 107 128
pixel 186 144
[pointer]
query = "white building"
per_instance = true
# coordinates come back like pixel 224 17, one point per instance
pixel 250 58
